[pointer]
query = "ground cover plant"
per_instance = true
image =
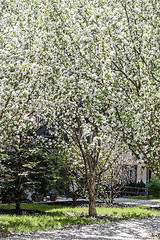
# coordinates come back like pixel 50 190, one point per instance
pixel 48 217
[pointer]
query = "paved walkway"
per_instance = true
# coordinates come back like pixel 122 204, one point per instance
pixel 138 202
pixel 128 201
pixel 145 229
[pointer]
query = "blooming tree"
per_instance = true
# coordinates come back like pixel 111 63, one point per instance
pixel 89 137
pixel 134 62
pixel 115 46
pixel 24 82
pixel 24 72
pixel 108 77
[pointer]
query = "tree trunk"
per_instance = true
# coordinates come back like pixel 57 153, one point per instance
pixel 92 197
pixel 92 206
pixel 74 198
pixel 18 206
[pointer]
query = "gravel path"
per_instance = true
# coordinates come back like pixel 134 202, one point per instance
pixel 123 230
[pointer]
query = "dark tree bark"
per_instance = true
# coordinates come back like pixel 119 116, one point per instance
pixel 92 196
pixel 18 206
pixel 90 159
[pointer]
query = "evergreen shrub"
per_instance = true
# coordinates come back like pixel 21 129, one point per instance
pixel 154 187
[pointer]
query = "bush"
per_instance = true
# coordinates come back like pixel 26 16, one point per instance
pixel 136 184
pixel 154 187
pixel 141 184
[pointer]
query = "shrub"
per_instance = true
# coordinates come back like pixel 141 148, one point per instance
pixel 141 184
pixel 136 184
pixel 154 187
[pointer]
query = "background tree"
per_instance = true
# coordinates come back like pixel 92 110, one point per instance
pixel 71 174
pixel 117 176
pixel 134 62
pixel 25 168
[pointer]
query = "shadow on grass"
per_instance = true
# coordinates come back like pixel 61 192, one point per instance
pixel 29 212
pixel 33 223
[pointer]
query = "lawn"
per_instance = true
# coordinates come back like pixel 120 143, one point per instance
pixel 56 217
pixel 143 198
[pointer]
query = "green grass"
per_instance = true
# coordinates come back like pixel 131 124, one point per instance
pixel 143 198
pixel 61 216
